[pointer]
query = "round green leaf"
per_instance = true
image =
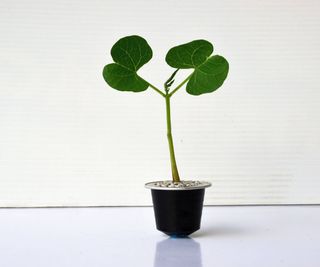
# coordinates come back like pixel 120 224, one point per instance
pixel 189 55
pixel 208 76
pixel 209 71
pixel 123 79
pixel 129 54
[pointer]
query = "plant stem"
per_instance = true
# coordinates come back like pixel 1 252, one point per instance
pixel 180 85
pixel 175 173
pixel 156 89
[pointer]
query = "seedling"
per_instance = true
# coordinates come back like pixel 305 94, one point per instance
pixel 132 52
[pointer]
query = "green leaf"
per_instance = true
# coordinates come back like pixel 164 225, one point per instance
pixel 209 71
pixel 189 55
pixel 129 54
pixel 208 76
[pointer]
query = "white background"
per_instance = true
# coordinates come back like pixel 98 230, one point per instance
pixel 98 237
pixel 66 138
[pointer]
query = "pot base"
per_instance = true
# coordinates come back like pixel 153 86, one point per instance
pixel 178 235
pixel 178 212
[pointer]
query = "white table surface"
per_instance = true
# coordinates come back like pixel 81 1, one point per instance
pixel 254 236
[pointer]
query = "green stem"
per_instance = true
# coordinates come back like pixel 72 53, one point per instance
pixel 156 89
pixel 180 85
pixel 175 173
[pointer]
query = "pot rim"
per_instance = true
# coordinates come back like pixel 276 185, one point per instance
pixel 200 185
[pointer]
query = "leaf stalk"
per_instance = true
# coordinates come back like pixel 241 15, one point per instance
pixel 180 85
pixel 156 89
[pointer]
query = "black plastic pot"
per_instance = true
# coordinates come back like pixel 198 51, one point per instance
pixel 178 210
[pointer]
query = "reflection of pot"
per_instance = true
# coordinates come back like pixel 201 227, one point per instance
pixel 178 209
pixel 172 252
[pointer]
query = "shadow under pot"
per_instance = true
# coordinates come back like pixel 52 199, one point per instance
pixel 178 206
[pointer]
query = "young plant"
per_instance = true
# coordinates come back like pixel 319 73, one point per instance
pixel 132 52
